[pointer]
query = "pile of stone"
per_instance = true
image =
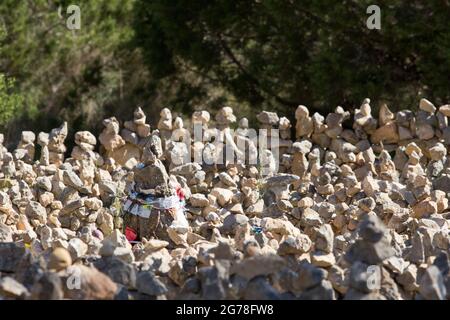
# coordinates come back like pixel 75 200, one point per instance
pixel 357 208
pixel 125 149
pixel 56 145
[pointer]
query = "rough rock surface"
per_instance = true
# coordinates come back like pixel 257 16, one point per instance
pixel 356 209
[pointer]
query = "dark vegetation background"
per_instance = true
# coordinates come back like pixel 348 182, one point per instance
pixel 204 54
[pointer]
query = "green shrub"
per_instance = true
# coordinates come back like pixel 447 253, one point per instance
pixel 10 101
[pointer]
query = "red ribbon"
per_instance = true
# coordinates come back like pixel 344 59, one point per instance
pixel 130 234
pixel 180 193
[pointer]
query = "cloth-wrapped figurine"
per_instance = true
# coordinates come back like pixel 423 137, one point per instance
pixel 154 207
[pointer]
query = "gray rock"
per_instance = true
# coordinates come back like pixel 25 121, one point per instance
pixel 72 206
pixel 432 285
pixel 302 147
pixel 326 211
pixel 442 120
pixel 294 245
pixel 214 282
pixel 282 180
pixel 71 179
pixel 118 270
pixel 108 191
pixel 442 183
pixel 227 180
pixel 35 210
pixel 122 293
pixel 373 247
pixel 186 169
pixel 10 256
pixel 44 183
pixel 266 117
pixel 324 238
pixel 231 222
pixel 260 289
pixel 258 265
pixel 48 287
pixel 367 204
pixel 361 279
pixel 368 252
pixel 442 261
pixel 129 136
pixel 150 284
pixel 310 276
pixel 417 250
pixel 322 291
pixel 77 248
pixel 191 285
pixel 371 229
pixel 6 233
pixel 28 270
pixel 435 168
pixel 446 135
pixel 285 279
pixel 404 117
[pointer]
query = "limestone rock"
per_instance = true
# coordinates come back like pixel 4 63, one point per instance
pixel 427 106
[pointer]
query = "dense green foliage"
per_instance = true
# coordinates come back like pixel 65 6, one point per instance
pixel 277 54
pixel 190 54
pixel 10 102
pixel 74 75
